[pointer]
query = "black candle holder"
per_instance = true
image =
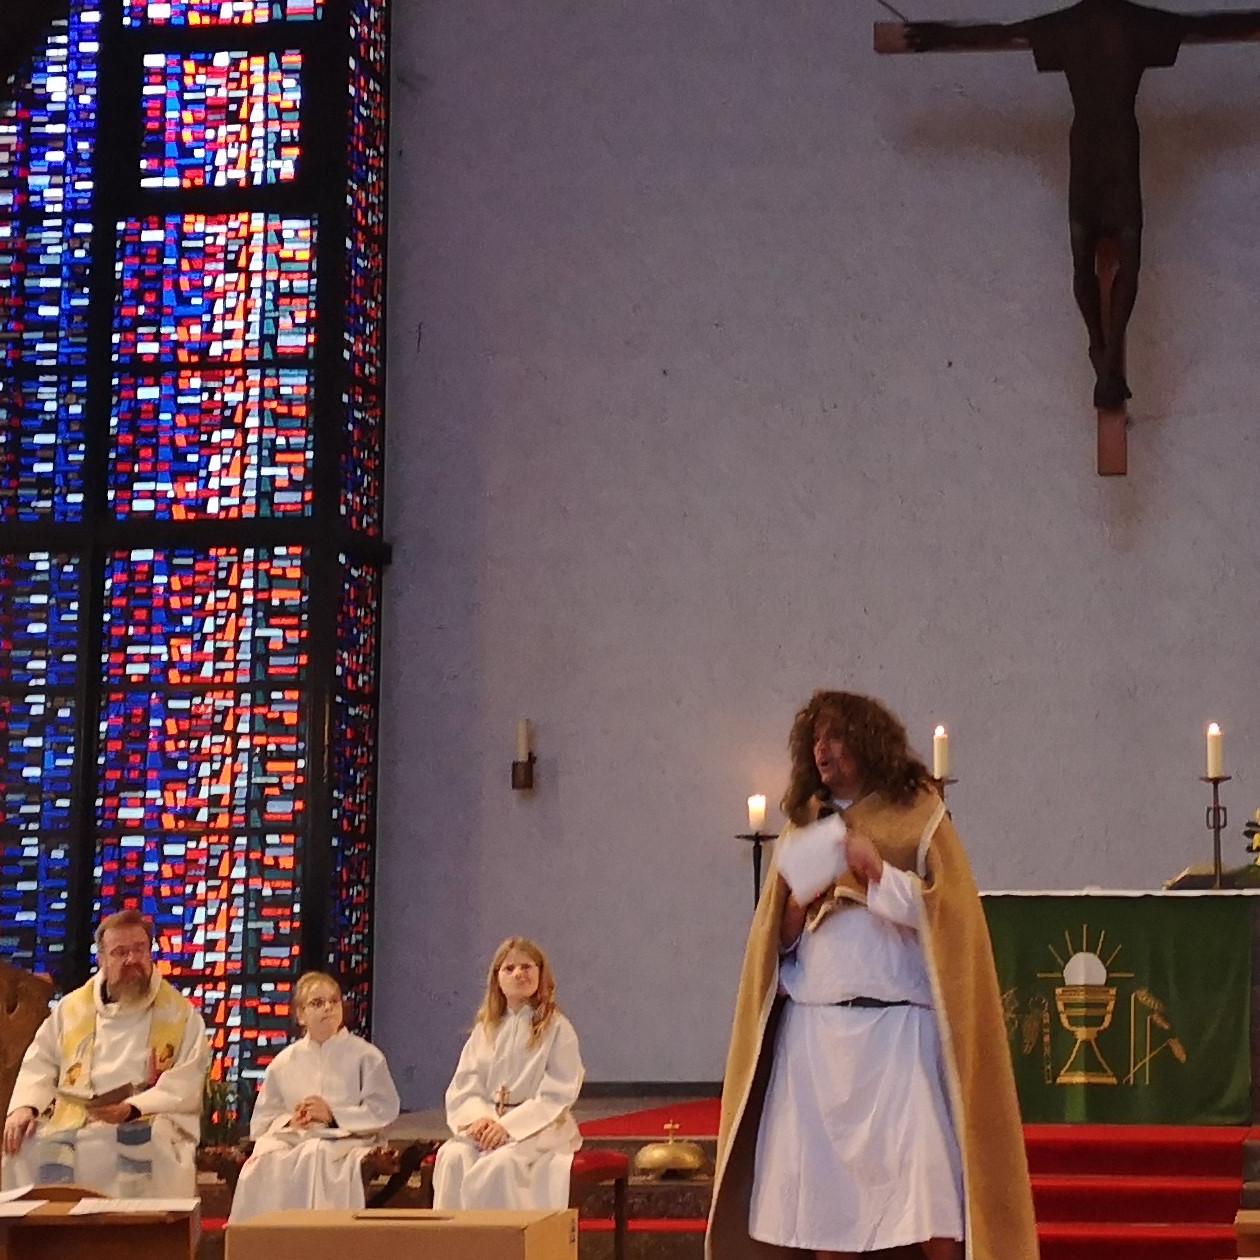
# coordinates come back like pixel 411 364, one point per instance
pixel 757 839
pixel 1217 818
pixel 523 774
pixel 941 784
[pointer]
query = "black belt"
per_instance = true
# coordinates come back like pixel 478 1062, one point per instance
pixel 870 1003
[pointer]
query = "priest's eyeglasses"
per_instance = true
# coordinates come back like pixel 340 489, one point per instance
pixel 119 952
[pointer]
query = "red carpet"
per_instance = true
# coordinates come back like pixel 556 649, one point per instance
pixel 698 1119
pixel 1102 1192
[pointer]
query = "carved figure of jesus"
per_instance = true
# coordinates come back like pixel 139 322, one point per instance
pixel 1103 47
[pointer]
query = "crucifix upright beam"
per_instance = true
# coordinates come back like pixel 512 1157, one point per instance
pixel 1103 47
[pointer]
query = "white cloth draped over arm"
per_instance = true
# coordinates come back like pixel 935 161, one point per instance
pixel 896 896
pixel 179 1089
pixel 378 1103
pixel 468 1094
pixel 561 1084
pixel 41 1066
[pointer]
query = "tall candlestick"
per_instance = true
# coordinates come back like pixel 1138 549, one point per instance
pixel 522 739
pixel 1215 752
pixel 756 812
pixel 940 753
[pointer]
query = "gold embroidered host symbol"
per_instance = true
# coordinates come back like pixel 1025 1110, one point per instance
pixel 1085 998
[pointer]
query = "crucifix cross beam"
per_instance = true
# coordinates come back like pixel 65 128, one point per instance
pixel 1102 47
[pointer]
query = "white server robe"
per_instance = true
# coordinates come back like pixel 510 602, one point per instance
pixel 856 1149
pixel 155 1157
pixel 315 1168
pixel 542 1082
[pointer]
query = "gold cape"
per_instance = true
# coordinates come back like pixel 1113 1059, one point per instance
pixel 998 1211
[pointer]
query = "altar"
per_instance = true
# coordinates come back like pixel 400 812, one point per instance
pixel 1128 1007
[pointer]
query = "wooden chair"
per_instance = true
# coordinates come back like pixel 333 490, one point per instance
pixel 394 1163
pixel 24 1002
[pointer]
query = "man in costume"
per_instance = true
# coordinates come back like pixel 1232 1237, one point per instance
pixel 869 1101
pixel 109 1093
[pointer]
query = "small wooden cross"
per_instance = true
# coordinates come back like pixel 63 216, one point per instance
pixel 672 1128
pixel 501 1097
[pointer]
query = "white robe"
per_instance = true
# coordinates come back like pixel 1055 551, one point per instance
pixel 315 1168
pixel 531 1171
pixel 155 1157
pixel 856 1150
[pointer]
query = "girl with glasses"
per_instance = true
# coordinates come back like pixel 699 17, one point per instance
pixel 323 1102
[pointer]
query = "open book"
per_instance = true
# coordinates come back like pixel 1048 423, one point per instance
pixel 119 1094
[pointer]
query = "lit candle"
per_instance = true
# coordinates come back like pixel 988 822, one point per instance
pixel 756 812
pixel 940 753
pixel 1215 752
pixel 522 739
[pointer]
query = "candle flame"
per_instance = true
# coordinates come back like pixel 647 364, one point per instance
pixel 940 730
pixel 1214 728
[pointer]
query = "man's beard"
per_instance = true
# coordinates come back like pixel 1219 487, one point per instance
pixel 131 988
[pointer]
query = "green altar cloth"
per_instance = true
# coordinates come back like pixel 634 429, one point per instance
pixel 1127 1008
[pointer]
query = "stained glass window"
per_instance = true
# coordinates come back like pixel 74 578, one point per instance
pixel 42 447
pixel 354 782
pixel 218 12
pixel 47 137
pixel 213 119
pixel 186 398
pixel 39 613
pixel 228 286
pixel 365 279
pixel 201 445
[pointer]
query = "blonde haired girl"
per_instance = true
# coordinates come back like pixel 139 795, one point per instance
pixel 509 1102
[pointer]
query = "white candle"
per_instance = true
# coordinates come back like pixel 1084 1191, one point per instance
pixel 1215 752
pixel 940 753
pixel 756 812
pixel 522 739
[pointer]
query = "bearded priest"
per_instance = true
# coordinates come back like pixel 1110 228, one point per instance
pixel 109 1094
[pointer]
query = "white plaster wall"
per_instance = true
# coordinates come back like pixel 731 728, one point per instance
pixel 729 360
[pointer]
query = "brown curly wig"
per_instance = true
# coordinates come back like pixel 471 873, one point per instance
pixel 875 739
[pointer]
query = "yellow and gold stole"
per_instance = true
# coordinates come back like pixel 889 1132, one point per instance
pixel 169 1014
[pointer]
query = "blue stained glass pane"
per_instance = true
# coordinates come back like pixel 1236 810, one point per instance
pixel 34 876
pixel 36 762
pixel 39 620
pixel 42 448
pixel 47 136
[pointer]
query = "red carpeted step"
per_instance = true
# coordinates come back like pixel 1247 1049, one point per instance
pixel 1059 1241
pixel 1136 1150
pixel 645 1225
pixel 1071 1240
pixel 1063 1197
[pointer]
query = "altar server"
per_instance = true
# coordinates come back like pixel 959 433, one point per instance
pixel 508 1104
pixel 322 1104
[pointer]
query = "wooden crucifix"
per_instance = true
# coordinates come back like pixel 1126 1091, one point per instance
pixel 1103 47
